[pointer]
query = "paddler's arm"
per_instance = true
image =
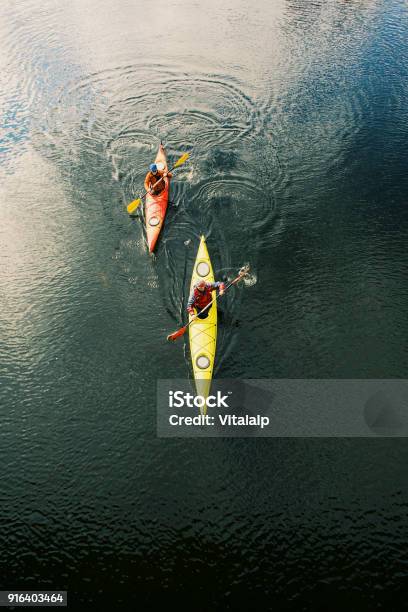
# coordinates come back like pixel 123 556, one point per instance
pixel 147 182
pixel 164 175
pixel 220 286
pixel 190 304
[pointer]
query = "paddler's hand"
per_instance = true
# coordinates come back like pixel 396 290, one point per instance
pixel 190 310
pixel 221 292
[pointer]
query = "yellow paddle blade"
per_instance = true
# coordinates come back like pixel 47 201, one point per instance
pixel 133 205
pixel 182 159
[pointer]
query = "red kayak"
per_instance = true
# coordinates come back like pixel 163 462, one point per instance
pixel 156 205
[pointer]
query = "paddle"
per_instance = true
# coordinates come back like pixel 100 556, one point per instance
pixel 133 205
pixel 180 332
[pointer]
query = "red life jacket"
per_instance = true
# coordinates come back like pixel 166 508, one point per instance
pixel 202 298
pixel 151 179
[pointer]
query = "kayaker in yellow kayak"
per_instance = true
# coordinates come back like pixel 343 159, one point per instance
pixel 156 172
pixel 201 296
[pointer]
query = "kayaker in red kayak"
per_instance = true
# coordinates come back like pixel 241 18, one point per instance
pixel 156 172
pixel 201 296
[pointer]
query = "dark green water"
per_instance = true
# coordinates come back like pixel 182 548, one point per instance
pixel 296 117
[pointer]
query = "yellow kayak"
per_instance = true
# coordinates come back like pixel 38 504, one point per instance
pixel 203 333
